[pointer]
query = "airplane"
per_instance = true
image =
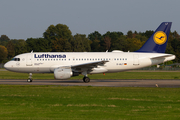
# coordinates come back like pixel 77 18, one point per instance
pixel 64 65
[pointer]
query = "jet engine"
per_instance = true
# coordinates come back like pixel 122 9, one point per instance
pixel 63 73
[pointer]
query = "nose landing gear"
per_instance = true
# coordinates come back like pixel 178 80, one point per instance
pixel 30 78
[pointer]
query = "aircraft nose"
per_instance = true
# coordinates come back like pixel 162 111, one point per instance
pixel 6 66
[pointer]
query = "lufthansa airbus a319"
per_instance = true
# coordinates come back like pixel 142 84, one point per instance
pixel 67 64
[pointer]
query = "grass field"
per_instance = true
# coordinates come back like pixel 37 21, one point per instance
pixel 120 75
pixel 88 103
pixel 21 102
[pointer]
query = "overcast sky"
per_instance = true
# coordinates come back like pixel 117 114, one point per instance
pixel 22 19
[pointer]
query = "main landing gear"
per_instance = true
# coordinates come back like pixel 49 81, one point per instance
pixel 86 79
pixel 30 78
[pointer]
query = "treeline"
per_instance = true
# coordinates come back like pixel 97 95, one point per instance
pixel 60 39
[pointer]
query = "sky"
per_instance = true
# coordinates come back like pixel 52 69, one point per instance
pixel 22 19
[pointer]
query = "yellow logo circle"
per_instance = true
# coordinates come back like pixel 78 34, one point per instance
pixel 160 37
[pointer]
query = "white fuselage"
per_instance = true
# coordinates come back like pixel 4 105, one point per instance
pixel 46 62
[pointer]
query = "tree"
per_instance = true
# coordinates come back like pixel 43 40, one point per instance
pixel 4 40
pixel 148 33
pixel 38 45
pixel 58 31
pixel 11 51
pixel 107 41
pixel 96 42
pixel 20 46
pixel 130 34
pixel 115 40
pixel 58 45
pixel 133 44
pixel 175 35
pixel 94 36
pixel 4 53
pixel 59 37
pixel 120 44
pixel 80 43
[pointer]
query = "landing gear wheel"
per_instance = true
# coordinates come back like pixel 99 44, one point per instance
pixel 29 80
pixel 86 79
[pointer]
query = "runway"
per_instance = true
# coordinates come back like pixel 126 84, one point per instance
pixel 107 83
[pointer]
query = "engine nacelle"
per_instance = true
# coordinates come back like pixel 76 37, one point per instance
pixel 62 73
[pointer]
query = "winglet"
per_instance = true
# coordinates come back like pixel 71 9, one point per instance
pixel 158 41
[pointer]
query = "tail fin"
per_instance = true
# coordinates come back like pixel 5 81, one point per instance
pixel 158 41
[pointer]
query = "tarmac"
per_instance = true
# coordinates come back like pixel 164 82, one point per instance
pixel 106 83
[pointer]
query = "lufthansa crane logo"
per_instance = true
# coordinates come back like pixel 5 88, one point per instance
pixel 160 37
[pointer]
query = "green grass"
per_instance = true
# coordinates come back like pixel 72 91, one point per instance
pixel 88 103
pixel 120 75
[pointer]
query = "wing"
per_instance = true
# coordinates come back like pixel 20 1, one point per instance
pixel 88 66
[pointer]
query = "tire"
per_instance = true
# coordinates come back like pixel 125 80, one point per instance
pixel 29 80
pixel 86 79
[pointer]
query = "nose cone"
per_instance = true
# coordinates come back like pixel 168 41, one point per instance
pixel 7 66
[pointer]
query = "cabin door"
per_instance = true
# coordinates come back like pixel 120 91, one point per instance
pixel 29 60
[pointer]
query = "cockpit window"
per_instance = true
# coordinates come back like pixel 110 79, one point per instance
pixel 16 59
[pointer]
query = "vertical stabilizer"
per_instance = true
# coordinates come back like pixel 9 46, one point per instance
pixel 158 41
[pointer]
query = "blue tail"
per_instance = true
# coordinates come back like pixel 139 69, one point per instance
pixel 158 41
